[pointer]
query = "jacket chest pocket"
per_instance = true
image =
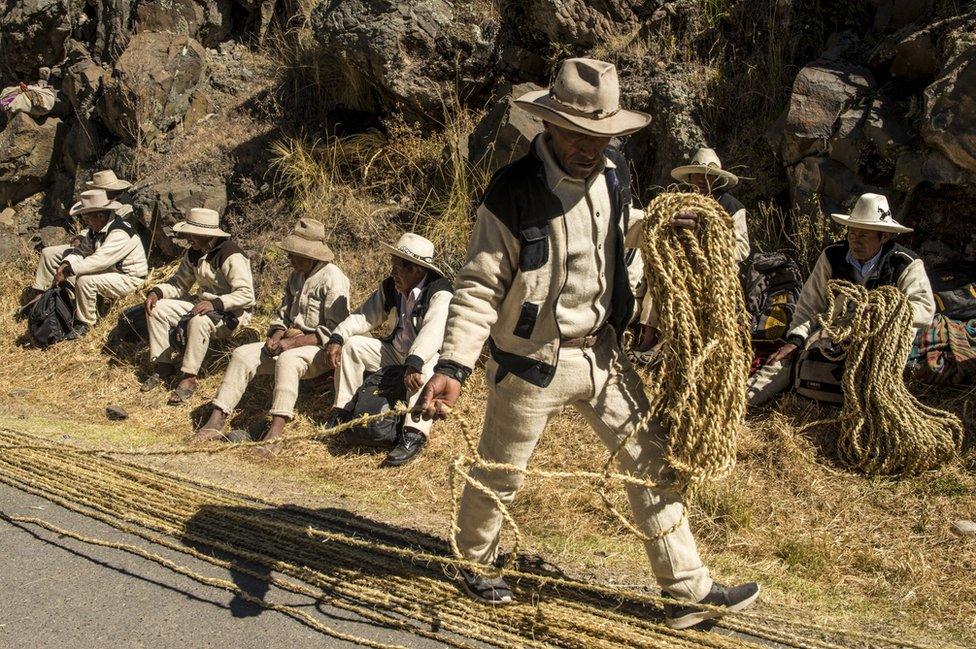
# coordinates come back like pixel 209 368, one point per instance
pixel 535 247
pixel 313 310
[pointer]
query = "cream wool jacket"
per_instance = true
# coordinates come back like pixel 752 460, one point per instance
pixel 912 281
pixel 222 276
pixel 376 310
pixel 316 304
pixel 118 250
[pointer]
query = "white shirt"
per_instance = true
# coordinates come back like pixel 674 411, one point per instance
pixel 406 333
pixel 864 270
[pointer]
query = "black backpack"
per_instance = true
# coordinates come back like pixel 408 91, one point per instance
pixel 772 282
pixel 954 289
pixel 132 326
pixel 52 317
pixel 378 394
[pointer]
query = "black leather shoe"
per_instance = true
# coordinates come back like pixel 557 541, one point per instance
pixel 683 615
pixel 80 330
pixel 407 448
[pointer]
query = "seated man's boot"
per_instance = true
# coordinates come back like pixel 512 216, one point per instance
pixel 726 599
pixel 80 330
pixel 408 447
pixel 495 592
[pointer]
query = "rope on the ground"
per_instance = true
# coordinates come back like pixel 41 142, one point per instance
pixel 397 581
pixel 884 429
pixel 698 389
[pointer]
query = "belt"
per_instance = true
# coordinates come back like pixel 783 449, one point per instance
pixel 585 342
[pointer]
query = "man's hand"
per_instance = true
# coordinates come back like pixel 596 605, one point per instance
pixel 151 300
pixel 22 86
pixel 781 354
pixel 202 308
pixel 333 351
pixel 272 346
pixel 439 396
pixel 689 219
pixel 412 380
pixel 294 333
pixel 59 275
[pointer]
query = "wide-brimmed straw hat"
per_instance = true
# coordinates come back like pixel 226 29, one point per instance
pixel 202 221
pixel 307 239
pixel 585 97
pixel 108 181
pixel 871 212
pixel 416 249
pixel 705 161
pixel 93 200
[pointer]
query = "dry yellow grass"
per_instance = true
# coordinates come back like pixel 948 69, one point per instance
pixel 827 544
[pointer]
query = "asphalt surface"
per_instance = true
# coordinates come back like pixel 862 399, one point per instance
pixel 61 593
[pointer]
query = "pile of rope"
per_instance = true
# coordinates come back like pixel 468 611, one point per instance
pixel 698 388
pixel 391 576
pixel 884 429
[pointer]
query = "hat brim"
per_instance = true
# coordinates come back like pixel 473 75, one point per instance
pixel 682 173
pixel 77 209
pixel 624 122
pixel 396 252
pixel 305 248
pixel 878 226
pixel 117 186
pixel 183 227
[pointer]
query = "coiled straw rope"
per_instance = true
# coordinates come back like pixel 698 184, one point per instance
pixel 698 389
pixel 884 429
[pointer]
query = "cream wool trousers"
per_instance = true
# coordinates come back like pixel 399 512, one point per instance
pixel 362 354
pixel 87 287
pixel 200 331
pixel 288 367
pixel 603 387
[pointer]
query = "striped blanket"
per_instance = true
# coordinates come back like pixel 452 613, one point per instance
pixel 945 351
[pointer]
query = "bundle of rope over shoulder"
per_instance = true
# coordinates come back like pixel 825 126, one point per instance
pixel 698 388
pixel 884 429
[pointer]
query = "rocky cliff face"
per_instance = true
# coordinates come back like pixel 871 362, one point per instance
pixel 817 103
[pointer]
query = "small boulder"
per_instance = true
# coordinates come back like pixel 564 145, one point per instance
pixel 915 58
pixel 950 110
pixel 27 150
pixel 505 132
pixel 34 33
pixel 116 413
pixel 208 21
pixel 576 24
pixel 152 86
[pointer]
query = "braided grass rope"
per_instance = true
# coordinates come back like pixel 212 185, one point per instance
pixel 392 576
pixel 698 390
pixel 884 429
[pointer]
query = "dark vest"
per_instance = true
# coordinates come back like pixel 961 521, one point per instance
pixel 435 284
pixel 892 263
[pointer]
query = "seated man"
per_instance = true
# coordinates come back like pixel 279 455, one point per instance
pixel 107 259
pixel 36 99
pixel 870 258
pixel 703 175
pixel 420 295
pixel 316 300
pixel 222 273
pixel 114 187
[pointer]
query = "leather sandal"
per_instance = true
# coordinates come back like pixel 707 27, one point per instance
pixel 180 395
pixel 205 435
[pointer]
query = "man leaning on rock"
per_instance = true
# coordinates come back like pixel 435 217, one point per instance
pixel 548 285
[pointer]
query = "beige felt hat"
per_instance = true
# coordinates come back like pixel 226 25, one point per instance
pixel 585 97
pixel 202 221
pixel 871 212
pixel 93 200
pixel 307 239
pixel 108 181
pixel 414 248
pixel 705 161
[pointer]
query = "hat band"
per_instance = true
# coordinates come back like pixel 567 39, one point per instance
pixel 414 255
pixel 202 225
pixel 599 113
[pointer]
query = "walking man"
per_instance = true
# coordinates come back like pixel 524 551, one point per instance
pixel 546 283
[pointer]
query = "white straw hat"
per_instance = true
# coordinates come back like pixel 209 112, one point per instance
pixel 93 200
pixel 107 180
pixel 705 161
pixel 585 97
pixel 202 221
pixel 871 212
pixel 416 249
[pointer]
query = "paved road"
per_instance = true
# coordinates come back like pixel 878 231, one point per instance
pixel 61 594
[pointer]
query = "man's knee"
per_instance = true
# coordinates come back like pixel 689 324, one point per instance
pixel 201 324
pixel 354 347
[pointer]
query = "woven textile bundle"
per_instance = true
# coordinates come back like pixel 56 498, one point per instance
pixel 698 389
pixel 884 429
